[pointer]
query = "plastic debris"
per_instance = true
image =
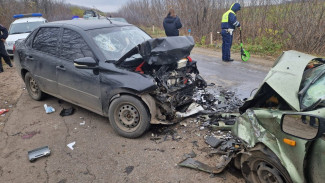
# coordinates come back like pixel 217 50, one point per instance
pixel 71 145
pixel 48 109
pixel 192 163
pixel 83 123
pixel 190 155
pixel 213 141
pixel 128 169
pixel 2 111
pixel 67 112
pixel 39 152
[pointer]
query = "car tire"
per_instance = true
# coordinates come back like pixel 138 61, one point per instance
pixel 264 167
pixel 129 116
pixel 32 87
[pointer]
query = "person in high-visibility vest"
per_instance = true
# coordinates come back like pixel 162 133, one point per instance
pixel 228 24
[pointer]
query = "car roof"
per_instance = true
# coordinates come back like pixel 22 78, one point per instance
pixel 29 19
pixel 88 24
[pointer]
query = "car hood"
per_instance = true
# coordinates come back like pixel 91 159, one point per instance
pixel 162 51
pixel 285 78
pixel 15 37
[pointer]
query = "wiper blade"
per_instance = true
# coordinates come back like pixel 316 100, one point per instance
pixel 110 61
pixel 19 32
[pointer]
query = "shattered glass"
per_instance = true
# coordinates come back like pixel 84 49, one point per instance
pixel 74 46
pixel 46 40
pixel 116 42
pixel 315 92
pixel 316 89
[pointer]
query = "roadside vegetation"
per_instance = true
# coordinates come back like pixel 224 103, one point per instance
pixel 268 26
pixel 52 10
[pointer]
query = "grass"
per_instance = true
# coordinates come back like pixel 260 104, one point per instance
pixel 267 45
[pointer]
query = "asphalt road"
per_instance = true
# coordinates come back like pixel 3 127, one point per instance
pixel 99 155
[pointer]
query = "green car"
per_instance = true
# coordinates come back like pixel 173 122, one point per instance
pixel 283 124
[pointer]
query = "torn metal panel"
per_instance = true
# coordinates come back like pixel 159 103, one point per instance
pixel 192 109
pixel 192 163
pixel 166 50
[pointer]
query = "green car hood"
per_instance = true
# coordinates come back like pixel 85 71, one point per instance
pixel 285 78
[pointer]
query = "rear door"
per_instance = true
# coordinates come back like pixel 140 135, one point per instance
pixel 80 86
pixel 42 58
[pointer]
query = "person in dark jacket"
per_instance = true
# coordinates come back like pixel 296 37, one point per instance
pixel 172 23
pixel 3 52
pixel 228 24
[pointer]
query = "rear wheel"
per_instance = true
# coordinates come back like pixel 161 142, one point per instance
pixel 129 116
pixel 263 167
pixel 32 87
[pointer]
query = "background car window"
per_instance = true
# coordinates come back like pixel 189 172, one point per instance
pixel 74 46
pixel 27 27
pixel 46 40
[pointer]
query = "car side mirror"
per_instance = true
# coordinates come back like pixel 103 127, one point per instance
pixel 85 63
pixel 306 127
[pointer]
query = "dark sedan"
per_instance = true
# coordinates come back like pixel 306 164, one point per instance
pixel 111 68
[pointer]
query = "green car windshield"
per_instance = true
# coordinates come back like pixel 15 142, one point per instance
pixel 315 81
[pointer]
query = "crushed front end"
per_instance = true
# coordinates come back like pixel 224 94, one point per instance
pixel 176 75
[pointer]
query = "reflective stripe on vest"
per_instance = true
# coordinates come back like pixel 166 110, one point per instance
pixel 226 15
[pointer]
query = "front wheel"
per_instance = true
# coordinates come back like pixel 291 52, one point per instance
pixel 263 167
pixel 129 116
pixel 32 87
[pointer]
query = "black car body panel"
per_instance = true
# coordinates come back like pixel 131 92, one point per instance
pixel 161 71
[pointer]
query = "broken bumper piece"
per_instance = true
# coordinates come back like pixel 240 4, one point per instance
pixel 38 153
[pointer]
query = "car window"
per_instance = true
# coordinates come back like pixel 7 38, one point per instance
pixel 316 89
pixel 46 40
pixel 29 39
pixel 117 41
pixel 26 27
pixel 74 46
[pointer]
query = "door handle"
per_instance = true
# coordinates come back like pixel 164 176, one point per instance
pixel 29 57
pixel 61 67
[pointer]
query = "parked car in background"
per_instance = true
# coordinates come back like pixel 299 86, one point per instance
pixel 118 19
pixel 21 28
pixel 111 68
pixel 283 124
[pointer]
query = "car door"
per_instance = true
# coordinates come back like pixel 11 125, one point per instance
pixel 316 161
pixel 42 58
pixel 80 86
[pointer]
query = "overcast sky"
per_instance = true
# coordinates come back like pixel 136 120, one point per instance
pixel 103 5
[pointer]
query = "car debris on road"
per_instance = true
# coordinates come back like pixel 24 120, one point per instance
pixel 38 153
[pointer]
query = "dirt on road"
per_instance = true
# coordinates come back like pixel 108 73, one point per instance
pixel 99 155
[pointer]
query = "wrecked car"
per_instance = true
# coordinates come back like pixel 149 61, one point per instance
pixel 113 69
pixel 282 125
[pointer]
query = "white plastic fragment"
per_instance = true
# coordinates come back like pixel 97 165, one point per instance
pixel 83 123
pixel 71 145
pixel 48 109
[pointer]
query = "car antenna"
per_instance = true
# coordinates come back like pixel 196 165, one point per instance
pixel 109 20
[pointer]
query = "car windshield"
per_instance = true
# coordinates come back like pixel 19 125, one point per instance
pixel 117 41
pixel 25 27
pixel 315 78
